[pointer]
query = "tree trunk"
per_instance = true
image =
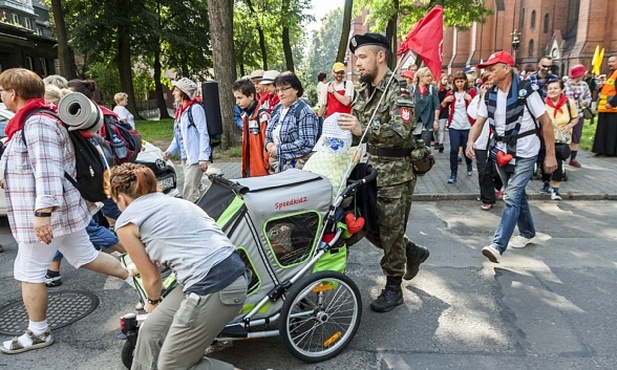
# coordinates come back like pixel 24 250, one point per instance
pixel 342 45
pixel 262 37
pixel 158 86
pixel 289 60
pixel 220 13
pixel 125 69
pixel 68 69
pixel 391 29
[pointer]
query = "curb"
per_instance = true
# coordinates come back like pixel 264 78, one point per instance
pixel 565 196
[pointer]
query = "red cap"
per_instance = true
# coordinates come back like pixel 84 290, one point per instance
pixel 577 71
pixel 498 57
pixel 409 74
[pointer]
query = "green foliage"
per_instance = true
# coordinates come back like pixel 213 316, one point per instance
pixel 457 13
pixel 589 132
pixel 324 47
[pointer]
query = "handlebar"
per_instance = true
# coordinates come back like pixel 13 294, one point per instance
pixel 370 176
pixel 234 186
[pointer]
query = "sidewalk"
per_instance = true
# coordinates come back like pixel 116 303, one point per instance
pixel 596 180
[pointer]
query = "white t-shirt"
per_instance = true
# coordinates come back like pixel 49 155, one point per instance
pixel 322 90
pixel 472 111
pixel 124 114
pixel 347 86
pixel 527 146
pixel 460 121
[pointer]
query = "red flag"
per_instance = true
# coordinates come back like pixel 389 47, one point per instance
pixel 426 40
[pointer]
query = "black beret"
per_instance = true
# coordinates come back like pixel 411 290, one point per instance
pixel 368 39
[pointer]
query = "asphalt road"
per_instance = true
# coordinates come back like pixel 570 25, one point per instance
pixel 549 306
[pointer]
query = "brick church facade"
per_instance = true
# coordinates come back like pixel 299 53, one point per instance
pixel 566 30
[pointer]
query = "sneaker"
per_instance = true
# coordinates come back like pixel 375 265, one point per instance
pixel 574 163
pixel 555 195
pixel 452 179
pixel 139 306
pixel 469 170
pixel 499 194
pixel 546 188
pixel 52 282
pixel 486 206
pixel 491 253
pixel 520 241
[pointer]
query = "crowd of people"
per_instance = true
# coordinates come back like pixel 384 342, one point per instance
pixel 507 123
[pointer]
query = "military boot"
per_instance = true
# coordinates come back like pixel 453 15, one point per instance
pixel 415 256
pixel 390 297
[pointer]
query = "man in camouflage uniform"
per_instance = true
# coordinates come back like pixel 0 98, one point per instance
pixel 389 146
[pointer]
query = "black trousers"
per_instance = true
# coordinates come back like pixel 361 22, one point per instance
pixel 488 177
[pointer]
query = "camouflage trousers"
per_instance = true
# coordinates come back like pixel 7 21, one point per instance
pixel 393 206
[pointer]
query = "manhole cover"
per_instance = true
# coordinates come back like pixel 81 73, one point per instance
pixel 65 308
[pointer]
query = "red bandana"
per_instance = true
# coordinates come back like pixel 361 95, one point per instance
pixel 183 107
pixel 563 100
pixel 17 122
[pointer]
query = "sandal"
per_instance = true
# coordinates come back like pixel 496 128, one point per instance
pixel 486 206
pixel 38 341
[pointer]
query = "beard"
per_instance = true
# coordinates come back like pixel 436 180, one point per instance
pixel 368 77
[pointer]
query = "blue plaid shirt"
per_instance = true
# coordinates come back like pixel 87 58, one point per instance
pixel 297 138
pixel 542 82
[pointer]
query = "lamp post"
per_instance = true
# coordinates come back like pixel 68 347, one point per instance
pixel 516 42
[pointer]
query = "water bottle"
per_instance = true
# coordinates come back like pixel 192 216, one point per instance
pixel 119 146
pixel 418 153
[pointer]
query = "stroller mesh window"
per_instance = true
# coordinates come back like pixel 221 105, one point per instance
pixel 291 238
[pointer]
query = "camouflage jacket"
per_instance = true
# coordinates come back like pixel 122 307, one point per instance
pixel 390 129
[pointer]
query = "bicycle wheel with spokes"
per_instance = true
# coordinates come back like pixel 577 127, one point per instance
pixel 320 316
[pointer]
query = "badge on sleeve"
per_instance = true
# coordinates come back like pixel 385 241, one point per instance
pixel 405 114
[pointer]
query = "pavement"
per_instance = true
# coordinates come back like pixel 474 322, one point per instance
pixel 594 181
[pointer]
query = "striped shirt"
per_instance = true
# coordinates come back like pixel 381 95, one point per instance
pixel 34 179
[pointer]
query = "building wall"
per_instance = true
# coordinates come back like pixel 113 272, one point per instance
pixel 575 26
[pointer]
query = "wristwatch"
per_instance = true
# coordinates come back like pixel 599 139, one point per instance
pixel 154 301
pixel 42 214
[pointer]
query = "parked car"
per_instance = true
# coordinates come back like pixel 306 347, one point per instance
pixel 150 156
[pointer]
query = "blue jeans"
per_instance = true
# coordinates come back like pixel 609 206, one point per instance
pixel 517 212
pixel 457 138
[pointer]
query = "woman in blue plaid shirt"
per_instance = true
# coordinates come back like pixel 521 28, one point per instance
pixel 294 127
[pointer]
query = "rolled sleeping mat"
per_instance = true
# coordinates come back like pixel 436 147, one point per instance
pixel 80 113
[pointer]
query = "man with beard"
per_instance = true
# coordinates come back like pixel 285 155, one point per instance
pixel 389 146
pixel 339 94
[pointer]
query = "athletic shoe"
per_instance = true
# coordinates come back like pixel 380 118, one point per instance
pixel 520 241
pixel 52 282
pixel 499 194
pixel 469 170
pixel 555 195
pixel 452 179
pixel 546 188
pixel 486 206
pixel 491 253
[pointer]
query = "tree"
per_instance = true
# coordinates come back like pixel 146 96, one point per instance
pixel 221 19
pixel 391 15
pixel 66 57
pixel 323 50
pixel 342 45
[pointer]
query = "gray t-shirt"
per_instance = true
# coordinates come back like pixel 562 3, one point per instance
pixel 178 234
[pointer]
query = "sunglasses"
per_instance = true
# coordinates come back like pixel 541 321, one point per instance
pixel 546 67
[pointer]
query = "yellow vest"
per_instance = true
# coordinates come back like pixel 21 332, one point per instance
pixel 608 90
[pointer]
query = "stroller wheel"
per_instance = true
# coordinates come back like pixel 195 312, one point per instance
pixel 320 316
pixel 127 354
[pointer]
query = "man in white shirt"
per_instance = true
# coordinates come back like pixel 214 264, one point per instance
pixel 515 144
pixel 340 93
pixel 322 87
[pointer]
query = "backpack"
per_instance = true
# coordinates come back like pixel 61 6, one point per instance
pixel 124 141
pixel 297 114
pixel 215 131
pixel 90 162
